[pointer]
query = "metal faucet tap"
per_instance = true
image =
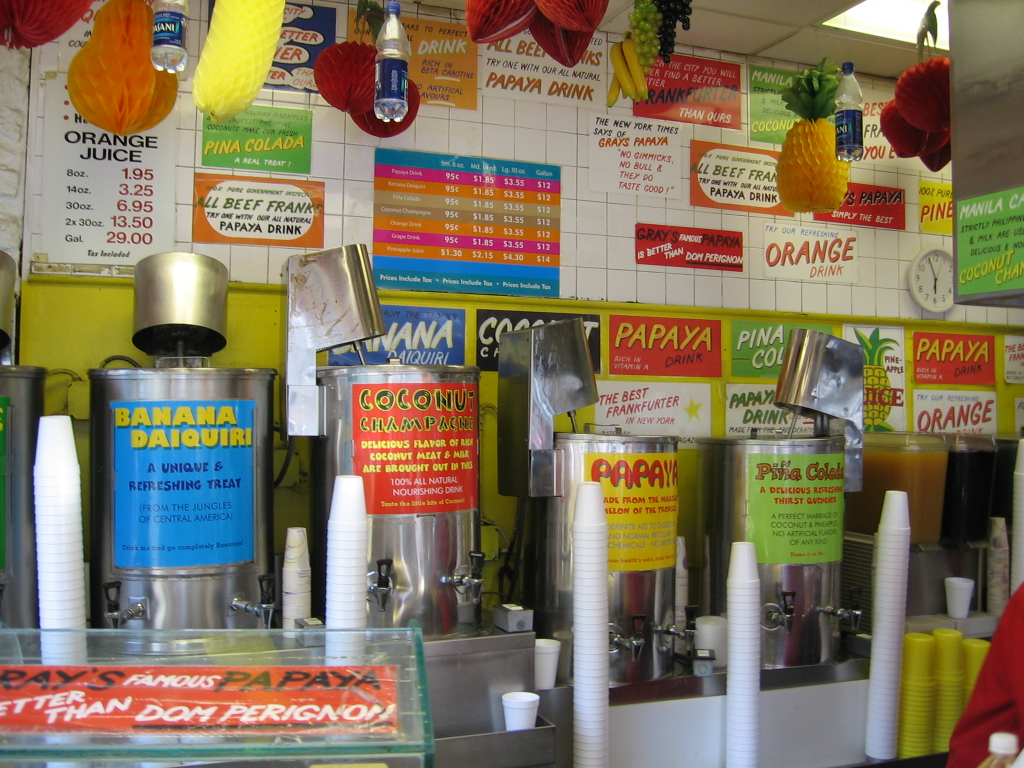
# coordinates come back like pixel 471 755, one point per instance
pixel 853 614
pixel 774 615
pixel 381 582
pixel 474 581
pixel 265 607
pixel 635 642
pixel 114 614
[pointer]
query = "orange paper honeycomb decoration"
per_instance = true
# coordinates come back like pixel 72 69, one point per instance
pixel 111 81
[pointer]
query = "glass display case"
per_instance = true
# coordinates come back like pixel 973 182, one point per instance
pixel 244 697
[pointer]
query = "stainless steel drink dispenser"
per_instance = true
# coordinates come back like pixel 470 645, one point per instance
pixel 411 432
pixel 786 495
pixel 21 405
pixel 181 465
pixel 542 372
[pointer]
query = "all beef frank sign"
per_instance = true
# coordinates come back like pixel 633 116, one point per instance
pixel 734 178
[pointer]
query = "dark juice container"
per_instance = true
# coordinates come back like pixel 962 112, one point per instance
pixel 1002 480
pixel 969 472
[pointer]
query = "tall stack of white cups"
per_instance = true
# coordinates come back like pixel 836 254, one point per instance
pixel 888 616
pixel 682 589
pixel 743 683
pixel 59 548
pixel 347 535
pixel 1017 548
pixel 296 579
pixel 590 628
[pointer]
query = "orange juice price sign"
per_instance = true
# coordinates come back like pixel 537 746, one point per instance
pixel 143 698
pixel 416 446
pixel 641 500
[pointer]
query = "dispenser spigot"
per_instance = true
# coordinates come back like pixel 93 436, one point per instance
pixel 380 582
pixel 853 614
pixel 474 581
pixel 114 614
pixel 265 607
pixel 635 642
pixel 775 615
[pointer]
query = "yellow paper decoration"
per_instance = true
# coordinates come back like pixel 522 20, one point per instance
pixel 237 56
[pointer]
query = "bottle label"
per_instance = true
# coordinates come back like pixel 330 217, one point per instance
pixel 169 29
pixel 392 79
pixel 849 129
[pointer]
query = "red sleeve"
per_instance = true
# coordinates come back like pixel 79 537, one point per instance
pixel 997 703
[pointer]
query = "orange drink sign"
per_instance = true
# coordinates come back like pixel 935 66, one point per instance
pixel 641 499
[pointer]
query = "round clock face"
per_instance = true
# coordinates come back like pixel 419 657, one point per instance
pixel 931 280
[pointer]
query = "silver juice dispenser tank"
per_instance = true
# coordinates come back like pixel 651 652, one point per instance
pixel 410 431
pixel 542 372
pixel 182 466
pixel 786 495
pixel 21 405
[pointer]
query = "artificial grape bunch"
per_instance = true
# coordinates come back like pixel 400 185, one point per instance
pixel 644 24
pixel 672 11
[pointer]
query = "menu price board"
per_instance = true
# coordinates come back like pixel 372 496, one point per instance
pixel 466 224
pixel 107 197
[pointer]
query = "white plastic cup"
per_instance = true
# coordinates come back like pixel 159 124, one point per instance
pixel 712 635
pixel 959 592
pixel 545 663
pixel 520 709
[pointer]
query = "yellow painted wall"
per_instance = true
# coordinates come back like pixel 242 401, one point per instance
pixel 75 323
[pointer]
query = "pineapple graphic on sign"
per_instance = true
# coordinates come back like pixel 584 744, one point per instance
pixel 878 391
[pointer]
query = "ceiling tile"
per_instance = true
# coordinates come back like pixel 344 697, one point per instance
pixel 869 55
pixel 735 34
pixel 793 12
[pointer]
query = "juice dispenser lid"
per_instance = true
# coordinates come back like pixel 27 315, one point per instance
pixel 965 443
pixel 180 304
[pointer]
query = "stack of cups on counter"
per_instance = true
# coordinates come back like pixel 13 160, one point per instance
pixel 998 556
pixel 296 579
pixel 590 628
pixel 917 696
pixel 1017 549
pixel 975 651
pixel 949 685
pixel 682 589
pixel 743 632
pixel 889 601
pixel 347 546
pixel 59 547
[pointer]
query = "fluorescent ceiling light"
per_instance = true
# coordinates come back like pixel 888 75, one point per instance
pixel 893 19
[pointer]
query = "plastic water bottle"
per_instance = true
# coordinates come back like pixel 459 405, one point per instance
pixel 170 17
pixel 1002 750
pixel 849 117
pixel 391 100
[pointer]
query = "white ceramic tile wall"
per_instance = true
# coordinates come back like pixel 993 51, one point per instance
pixel 597 228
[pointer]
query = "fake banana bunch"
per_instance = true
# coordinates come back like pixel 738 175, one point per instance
pixel 627 75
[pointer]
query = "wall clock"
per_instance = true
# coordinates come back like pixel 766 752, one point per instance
pixel 930 280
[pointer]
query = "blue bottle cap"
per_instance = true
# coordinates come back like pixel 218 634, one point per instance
pixel 394 7
pixel 847 65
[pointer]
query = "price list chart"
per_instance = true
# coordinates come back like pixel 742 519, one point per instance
pixel 466 224
pixel 107 199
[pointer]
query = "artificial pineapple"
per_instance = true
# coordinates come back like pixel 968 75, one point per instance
pixel 878 394
pixel 810 177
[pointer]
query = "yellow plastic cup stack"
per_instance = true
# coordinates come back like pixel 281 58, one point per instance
pixel 949 685
pixel 975 651
pixel 917 696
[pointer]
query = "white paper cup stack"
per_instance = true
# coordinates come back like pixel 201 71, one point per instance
pixel 347 533
pixel 590 628
pixel 889 595
pixel 296 579
pixel 682 589
pixel 59 549
pixel 743 632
